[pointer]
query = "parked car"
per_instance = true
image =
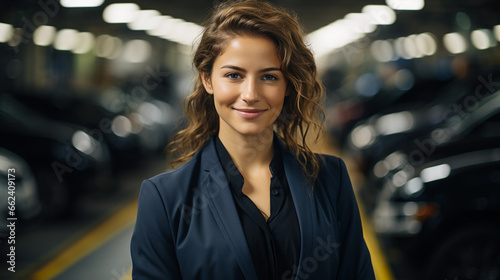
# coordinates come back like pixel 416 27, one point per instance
pixel 437 204
pixel 23 190
pixel 64 158
pixel 132 129
pixel 391 130
pixel 346 114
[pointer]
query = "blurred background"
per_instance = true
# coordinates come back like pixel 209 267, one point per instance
pixel 91 93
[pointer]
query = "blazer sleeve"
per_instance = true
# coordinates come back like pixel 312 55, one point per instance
pixel 152 245
pixel 355 261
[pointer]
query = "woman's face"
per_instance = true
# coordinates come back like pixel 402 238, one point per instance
pixel 248 86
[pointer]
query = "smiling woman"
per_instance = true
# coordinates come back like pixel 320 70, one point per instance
pixel 248 87
pixel 251 200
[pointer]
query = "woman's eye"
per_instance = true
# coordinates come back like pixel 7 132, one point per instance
pixel 233 75
pixel 269 78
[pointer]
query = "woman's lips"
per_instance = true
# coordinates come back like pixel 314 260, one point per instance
pixel 250 113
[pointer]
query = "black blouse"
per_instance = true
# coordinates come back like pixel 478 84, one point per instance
pixel 274 245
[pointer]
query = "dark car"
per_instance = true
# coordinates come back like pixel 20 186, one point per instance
pixel 132 127
pixel 64 158
pixel 378 136
pixel 20 198
pixel 438 203
pixel 344 115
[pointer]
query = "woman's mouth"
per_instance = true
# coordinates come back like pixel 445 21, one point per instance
pixel 250 113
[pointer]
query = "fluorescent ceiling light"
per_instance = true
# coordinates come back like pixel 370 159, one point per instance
pixel 81 3
pixel 107 46
pixel 362 23
pixel 426 43
pixel 137 51
pixel 145 20
pixel 6 32
pixel 496 30
pixel 120 13
pixel 66 39
pixel 482 39
pixel 406 4
pixel 455 43
pixel 382 50
pixel 44 35
pixel 380 14
pixel 86 42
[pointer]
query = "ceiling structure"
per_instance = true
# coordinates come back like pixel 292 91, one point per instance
pixel 437 16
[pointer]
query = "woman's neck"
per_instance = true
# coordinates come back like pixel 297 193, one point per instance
pixel 249 153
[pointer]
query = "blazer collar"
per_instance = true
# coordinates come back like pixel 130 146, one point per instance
pixel 223 208
pixel 225 213
pixel 304 202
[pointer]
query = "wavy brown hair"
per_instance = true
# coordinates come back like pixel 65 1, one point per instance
pixel 302 109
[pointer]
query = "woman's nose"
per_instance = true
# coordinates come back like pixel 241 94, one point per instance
pixel 250 91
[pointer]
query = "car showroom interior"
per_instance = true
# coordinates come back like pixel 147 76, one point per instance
pixel 91 95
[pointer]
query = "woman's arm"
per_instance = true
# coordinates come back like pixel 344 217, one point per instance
pixel 152 246
pixel 355 261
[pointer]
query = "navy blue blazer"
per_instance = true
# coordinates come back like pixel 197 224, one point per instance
pixel 188 226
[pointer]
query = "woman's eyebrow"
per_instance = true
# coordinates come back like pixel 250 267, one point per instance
pixel 243 70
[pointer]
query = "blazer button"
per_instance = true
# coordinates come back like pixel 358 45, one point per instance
pixel 275 192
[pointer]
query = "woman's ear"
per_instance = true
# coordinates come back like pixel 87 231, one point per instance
pixel 207 83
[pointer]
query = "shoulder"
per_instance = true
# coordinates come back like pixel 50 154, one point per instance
pixel 331 165
pixel 174 186
pixel 333 176
pixel 178 174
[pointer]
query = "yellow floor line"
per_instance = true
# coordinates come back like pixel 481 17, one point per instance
pixel 379 262
pixel 91 241
pixel 127 276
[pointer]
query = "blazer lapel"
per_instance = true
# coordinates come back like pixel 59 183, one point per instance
pixel 224 210
pixel 304 205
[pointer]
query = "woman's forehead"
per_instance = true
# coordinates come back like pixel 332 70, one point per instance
pixel 250 50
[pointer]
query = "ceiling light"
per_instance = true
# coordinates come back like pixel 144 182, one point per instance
pixel 81 3
pixel 380 14
pixel 137 51
pixel 362 23
pixel 107 46
pixel 120 12
pixel 406 4
pixel 85 43
pixel 66 39
pixel 482 39
pixel 44 35
pixel 426 43
pixel 333 36
pixel 6 32
pixel 455 43
pixel 411 48
pixel 382 50
pixel 185 33
pixel 161 26
pixel 399 47
pixel 144 20
pixel 496 30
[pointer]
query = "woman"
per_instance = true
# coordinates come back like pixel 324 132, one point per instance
pixel 250 201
